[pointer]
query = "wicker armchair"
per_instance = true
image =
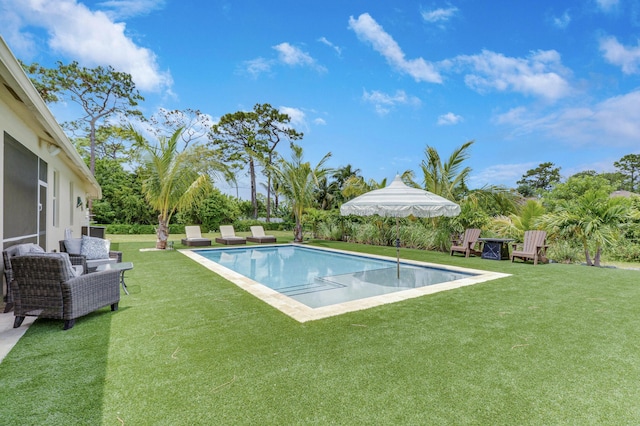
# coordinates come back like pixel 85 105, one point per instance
pixel 44 285
pixel 19 250
pixel 90 266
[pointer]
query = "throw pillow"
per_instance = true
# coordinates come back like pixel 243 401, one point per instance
pixel 73 245
pixel 95 248
pixel 23 249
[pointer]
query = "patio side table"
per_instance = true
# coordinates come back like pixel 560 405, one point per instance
pixel 122 267
pixel 495 248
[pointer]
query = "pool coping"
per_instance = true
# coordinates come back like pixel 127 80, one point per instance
pixel 302 313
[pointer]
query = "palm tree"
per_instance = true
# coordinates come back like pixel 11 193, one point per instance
pixel 445 179
pixel 340 177
pixel 299 182
pixel 515 224
pixel 356 185
pixel 173 179
pixel 592 218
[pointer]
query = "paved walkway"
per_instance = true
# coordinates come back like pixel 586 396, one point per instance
pixel 9 336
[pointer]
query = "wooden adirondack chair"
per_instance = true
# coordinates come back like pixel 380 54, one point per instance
pixel 533 247
pixel 467 244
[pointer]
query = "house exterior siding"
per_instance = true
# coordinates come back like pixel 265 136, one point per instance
pixel 64 182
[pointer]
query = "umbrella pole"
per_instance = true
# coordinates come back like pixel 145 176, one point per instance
pixel 398 247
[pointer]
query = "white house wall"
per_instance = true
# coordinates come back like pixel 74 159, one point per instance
pixel 28 120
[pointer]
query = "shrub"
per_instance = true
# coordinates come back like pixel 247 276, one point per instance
pixel 564 252
pixel 625 252
pixel 136 229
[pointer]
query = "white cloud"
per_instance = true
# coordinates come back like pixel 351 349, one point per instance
pixel 607 5
pixel 293 56
pixel 320 121
pixel 628 58
pixel 540 74
pixel 324 40
pixel 258 66
pixel 563 21
pixel 368 30
pixel 122 9
pixel 500 174
pixel 298 117
pixel 383 102
pixel 612 122
pixel 438 15
pixel 93 38
pixel 449 119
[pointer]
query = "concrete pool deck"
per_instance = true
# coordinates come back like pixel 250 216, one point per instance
pixel 302 313
pixel 9 336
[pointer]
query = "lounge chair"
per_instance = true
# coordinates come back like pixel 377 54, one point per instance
pixel 258 236
pixel 533 247
pixel 228 236
pixel 194 237
pixel 45 285
pixel 467 245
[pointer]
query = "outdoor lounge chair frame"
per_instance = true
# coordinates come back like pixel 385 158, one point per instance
pixel 228 236
pixel 194 237
pixel 258 235
pixel 534 247
pixel 468 243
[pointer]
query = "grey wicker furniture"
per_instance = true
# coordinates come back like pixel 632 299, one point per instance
pixel 20 249
pixel 91 265
pixel 44 285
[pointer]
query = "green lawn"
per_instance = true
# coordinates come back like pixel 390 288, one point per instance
pixel 552 344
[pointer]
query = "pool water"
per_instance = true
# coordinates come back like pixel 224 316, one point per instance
pixel 318 278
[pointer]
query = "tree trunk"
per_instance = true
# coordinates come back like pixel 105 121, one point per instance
pixel 588 257
pixel 269 198
pixel 254 196
pixel 297 233
pixel 597 257
pixel 162 233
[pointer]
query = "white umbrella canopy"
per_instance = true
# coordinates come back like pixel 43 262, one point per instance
pixel 399 200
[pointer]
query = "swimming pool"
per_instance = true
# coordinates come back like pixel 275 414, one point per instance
pixel 311 283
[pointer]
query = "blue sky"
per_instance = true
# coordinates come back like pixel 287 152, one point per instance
pixel 374 82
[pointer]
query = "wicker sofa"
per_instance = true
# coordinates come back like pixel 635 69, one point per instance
pixel 78 262
pixel 45 285
pixel 74 248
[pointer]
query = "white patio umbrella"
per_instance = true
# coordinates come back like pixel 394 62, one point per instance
pixel 399 200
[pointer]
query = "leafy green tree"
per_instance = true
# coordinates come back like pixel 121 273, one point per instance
pixel 249 139
pixel 100 92
pixel 216 209
pixel 629 166
pixel 615 179
pixel 112 142
pixel 173 180
pixel 122 200
pixel 299 181
pixel 539 180
pixel 575 187
pixel 594 218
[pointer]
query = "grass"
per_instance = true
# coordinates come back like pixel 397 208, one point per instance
pixel 552 344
